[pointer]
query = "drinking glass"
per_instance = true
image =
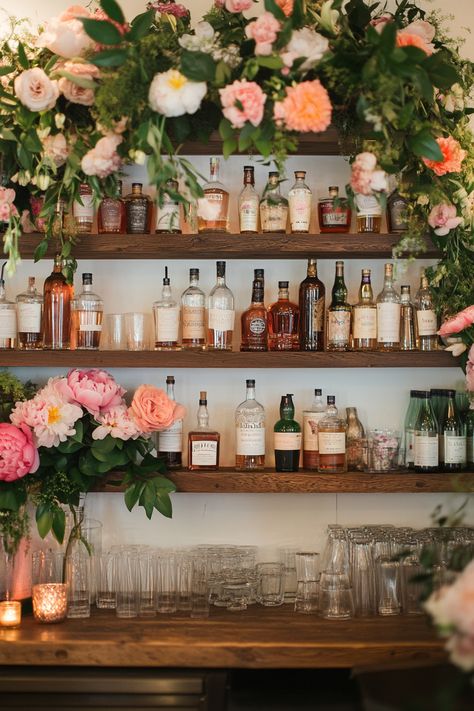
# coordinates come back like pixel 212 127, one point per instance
pixel 336 553
pixel 237 595
pixel 47 567
pixel 287 557
pixel 307 597
pixel 78 578
pixel 113 336
pixel 184 575
pixel 411 590
pixel 106 596
pixel 137 328
pixel 200 587
pixel 146 585
pixel 270 592
pixel 335 596
pixel 383 448
pixel 387 586
pixel 307 566
pixel 166 583
pixel 126 585
pixel 362 576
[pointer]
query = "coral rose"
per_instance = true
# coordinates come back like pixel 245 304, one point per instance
pixel 286 6
pixel 36 90
pixel 153 410
pixel 307 107
pixel 65 35
pixel 458 323
pixel 18 454
pixel 417 34
pixel 264 31
pixel 94 389
pixel 252 101
pixel 55 149
pixel 237 5
pixel 103 159
pixel 453 156
pixel 72 91
pixel 443 218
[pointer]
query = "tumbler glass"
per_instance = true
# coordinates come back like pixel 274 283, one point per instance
pixel 388 602
pixel 146 585
pixel 184 572
pixel 78 578
pixel 126 585
pixel 362 576
pixel 113 337
pixel 307 566
pixel 106 596
pixel 166 583
pixel 237 595
pixel 287 557
pixel 270 590
pixel 307 597
pixel 200 587
pixel 137 327
pixel 335 596
pixel 411 589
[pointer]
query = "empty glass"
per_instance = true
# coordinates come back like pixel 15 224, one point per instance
pixel 146 585
pixel 307 565
pixel 200 588
pixel 362 576
pixel 78 577
pixel 307 597
pixel 335 596
pixel 270 591
pixel 106 597
pixel 411 589
pixel 166 583
pixel 126 585
pixel 388 602
pixel 137 328
pixel 184 573
pixel 335 557
pixel 237 595
pixel 47 567
pixel 113 336
pixel 287 557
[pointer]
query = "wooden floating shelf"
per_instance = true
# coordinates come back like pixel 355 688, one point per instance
pixel 229 246
pixel 223 359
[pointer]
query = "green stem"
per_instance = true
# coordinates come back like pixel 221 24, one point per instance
pixel 75 535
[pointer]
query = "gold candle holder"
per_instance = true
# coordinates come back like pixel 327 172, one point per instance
pixel 10 613
pixel 49 602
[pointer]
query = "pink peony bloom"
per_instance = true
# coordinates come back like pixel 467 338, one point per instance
pixel 94 389
pixel 36 90
pixel 117 423
pixel 7 208
pixel 443 218
pixel 452 605
pixel 237 5
pixel 152 409
pixel 417 34
pixel 103 159
pixel 307 107
pixel 458 323
pixel 18 454
pixel 72 91
pixel 65 35
pixel 55 149
pixel 252 98
pixel 264 31
pixel 453 156
pixel 365 179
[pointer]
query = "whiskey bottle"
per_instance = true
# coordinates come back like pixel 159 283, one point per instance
pixel 248 203
pixel 221 314
pixel 215 217
pixel 168 215
pixel 312 306
pixel 332 440
pixel 369 213
pixel 388 314
pixel 193 304
pixel 426 321
pixel 250 433
pixel 334 212
pixel 397 212
pixel 29 311
pixel 339 314
pixel 364 317
pixel 203 442
pixel 83 209
pixel 273 206
pixel 87 311
pixel 287 437
pixel 254 320
pixel 426 454
pixel 300 199
pixel 58 295
pixel 8 327
pixel 170 441
pixel 283 322
pixel 138 210
pixel 311 420
pixel 166 319
pixel 453 432
pixel 111 216
pixel 407 321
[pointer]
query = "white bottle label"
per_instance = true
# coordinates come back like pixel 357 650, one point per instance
pixel 171 440
pixel 310 430
pixel 204 452
pixel 29 317
pixel 193 323
pixel 455 449
pixel 273 217
pixel 88 327
pixel 7 323
pixel 248 214
pixel 300 210
pixel 250 439
pixel 86 210
pixel 318 315
pixel 368 206
pixel 166 325
pixel 365 323
pixel 287 441
pixel 221 319
pixel 332 442
pixel 427 323
pixel 388 322
pixel 426 450
pixel 167 217
pixel 339 327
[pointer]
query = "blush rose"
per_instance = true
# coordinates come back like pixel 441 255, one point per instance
pixel 153 410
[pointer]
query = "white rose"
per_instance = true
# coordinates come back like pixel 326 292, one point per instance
pixel 309 44
pixel 172 94
pixel 65 35
pixel 36 90
pixel 55 148
pixel 366 161
pixel 378 181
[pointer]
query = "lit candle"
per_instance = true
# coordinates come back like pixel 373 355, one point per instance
pixel 50 602
pixel 10 613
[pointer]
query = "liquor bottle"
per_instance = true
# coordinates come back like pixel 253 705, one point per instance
pixel 469 424
pixel 287 437
pixel 453 432
pixel 397 212
pixel 339 314
pixel 221 314
pixel 217 202
pixel 334 212
pixel 87 310
pixel 312 307
pixel 407 321
pixel 203 442
pixel 138 209
pixel 311 419
pixel 355 439
pixel 254 320
pixel 170 441
pixel 388 314
pixel 300 199
pixel 168 215
pixel 409 428
pixel 283 322
pixel 8 328
pixel 83 209
pixel 369 213
pixel 166 319
pixel 273 206
pixel 29 312
pixel 364 317
pixel 332 440
pixel 111 216
pixel 426 321
pixel 248 203
pixel 58 295
pixel 250 433
pixel 193 304
pixel 426 455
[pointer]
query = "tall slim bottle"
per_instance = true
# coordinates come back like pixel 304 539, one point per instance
pixel 388 314
pixel 407 321
pixel 250 432
pixel 426 321
pixel 248 203
pixel 29 308
pixel 332 440
pixel 58 295
pixel 221 314
pixel 469 423
pixel 8 320
pixel 193 302
pixel 453 432
pixel 312 306
pixel 364 317
pixel 339 314
pixel 166 319
pixel 170 441
pixel 87 311
pixel 287 437
pixel 426 453
pixel 409 429
pixel 311 418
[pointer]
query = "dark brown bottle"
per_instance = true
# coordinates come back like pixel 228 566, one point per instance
pixel 312 310
pixel 170 441
pixel 254 321
pixel 58 295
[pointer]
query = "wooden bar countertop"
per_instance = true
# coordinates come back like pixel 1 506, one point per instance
pixel 258 638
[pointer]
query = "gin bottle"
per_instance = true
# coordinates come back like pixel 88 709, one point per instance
pixel 364 317
pixel 193 304
pixel 221 313
pixel 170 441
pixel 426 321
pixel 87 314
pixel 250 433
pixel 388 314
pixel 407 321
pixel 311 419
pixel 168 215
pixel 166 317
pixel 300 199
pixel 8 327
pixel 29 307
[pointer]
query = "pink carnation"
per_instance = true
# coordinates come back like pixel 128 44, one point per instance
pixel 237 5
pixel 306 107
pixel 103 159
pixel 7 208
pixel 252 98
pixel 264 31
pixel 171 8
pixel 117 423
pixel 458 323
pixel 95 390
pixel 443 218
pixel 453 156
pixel 18 454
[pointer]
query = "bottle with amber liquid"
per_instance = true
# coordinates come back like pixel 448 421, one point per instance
pixel 334 212
pixel 287 437
pixel 283 322
pixel 29 309
pixel 397 212
pixel 369 213
pixel 312 305
pixel 203 442
pixel 364 317
pixel 57 298
pixel 138 209
pixel 332 440
pixel 248 203
pixel 339 314
pixel 111 216
pixel 254 320
pixel 87 311
pixel 215 215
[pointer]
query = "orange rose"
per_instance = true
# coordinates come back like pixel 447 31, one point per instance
pixel 152 409
pixel 286 6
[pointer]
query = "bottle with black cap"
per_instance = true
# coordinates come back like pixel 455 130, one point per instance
pixel 287 437
pixel 250 432
pixel 283 322
pixel 193 303
pixel 170 441
pixel 254 319
pixel 166 318
pixel 86 317
pixel 221 313
pixel 248 203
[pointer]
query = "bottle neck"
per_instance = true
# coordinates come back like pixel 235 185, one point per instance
pixel 170 390
pixel 166 292
pixel 87 288
pixel 273 187
pixel 318 401
pixel 220 281
pixel 257 293
pixel 365 291
pixel 194 281
pixel 283 294
pixel 287 412
pixel 312 270
pixel 214 173
pixel 331 411
pixel 249 178
pixel 251 393
pixel 339 290
pixel 203 417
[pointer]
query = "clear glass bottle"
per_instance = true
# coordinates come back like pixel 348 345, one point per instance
pixel 248 203
pixel 312 301
pixel 426 455
pixel 203 442
pixel 426 321
pixel 388 314
pixel 409 429
pixel 254 322
pixel 407 321
pixel 355 441
pixel 29 312
pixel 250 433
pixel 111 216
pixel 453 432
pixel 221 313
pixel 469 424
pixel 300 199
pixel 339 314
pixel 369 214
pixel 287 437
pixel 193 309
pixel 364 317
pixel 273 206
pixel 168 215
pixel 8 327
pixel 170 441
pixel 311 420
pixel 87 311
pixel 283 322
pixel 83 209
pixel 332 440
pixel 334 212
pixel 138 208
pixel 57 298
pixel 213 215
pixel 166 319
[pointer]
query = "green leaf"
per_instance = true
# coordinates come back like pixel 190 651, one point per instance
pixel 7 69
pixel 198 66
pixel 44 519
pixel 422 81
pixel 425 146
pixel 113 10
pixel 133 493
pixel 105 445
pixel 223 73
pixel 271 6
pixel 225 129
pixel 22 58
pixel 79 427
pixel 60 463
pixel 59 525
pixel 110 58
pixel 7 135
pixel 229 146
pixel 246 135
pixel 140 26
pixel 161 483
pixel 69 446
pixel 272 62
pixel 24 157
pixel 163 504
pixel 441 70
pixel 148 498
pixel 387 38
pixel 41 250
pixel 33 143
pixel 8 500
pixel 101 31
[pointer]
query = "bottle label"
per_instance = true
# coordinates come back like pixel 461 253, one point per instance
pixel 89 327
pixel 221 319
pixel 7 323
pixel 287 441
pixel 388 322
pixel 171 440
pixel 318 315
pixel 310 430
pixel 365 323
pixel 426 450
pixel 166 325
pixel 300 209
pixel 193 323
pixel 167 217
pixel 204 452
pixel 332 442
pixel 409 447
pixel 470 448
pixel 86 210
pixel 333 216
pixel 137 214
pixel 250 439
pixel 427 323
pixel 257 326
pixel 339 327
pixel 398 209
pixel 29 317
pixel 455 449
pixel 273 217
pixel 248 214
pixel 368 206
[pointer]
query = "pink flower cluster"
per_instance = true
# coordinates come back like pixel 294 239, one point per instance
pixel 171 8
pixel 251 99
pixel 453 156
pixel 235 6
pixel 18 454
pixel 443 218
pixel 7 208
pixel 103 159
pixel 458 323
pixel 264 30
pixel 366 179
pixel 470 370
pixel 72 91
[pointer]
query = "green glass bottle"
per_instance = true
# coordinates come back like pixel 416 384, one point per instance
pixel 339 314
pixel 469 422
pixel 453 433
pixel 426 436
pixel 287 437
pixel 409 428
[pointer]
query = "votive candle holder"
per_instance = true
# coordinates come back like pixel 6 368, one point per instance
pixel 49 602
pixel 10 613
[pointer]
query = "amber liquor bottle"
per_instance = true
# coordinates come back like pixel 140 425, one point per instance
pixel 283 322
pixel 203 442
pixel 58 295
pixel 138 209
pixel 312 306
pixel 364 317
pixel 332 440
pixel 215 217
pixel 254 321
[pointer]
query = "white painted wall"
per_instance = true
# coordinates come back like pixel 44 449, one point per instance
pixel 380 395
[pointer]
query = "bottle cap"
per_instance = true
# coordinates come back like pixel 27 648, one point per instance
pixel 250 383
pixel 425 393
pixel 194 272
pixel 318 392
pixel 333 189
pixel 366 272
pixel 166 281
pixel 283 284
pixel 170 380
pixel 331 399
pixel 220 266
pixel 258 274
pixel 451 393
pixel 203 397
pixel 87 278
pixel 249 167
pixel 274 174
pixel 137 185
pixel 300 174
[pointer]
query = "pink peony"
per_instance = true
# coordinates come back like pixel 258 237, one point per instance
pixel 65 35
pixel 453 156
pixel 252 98
pixel 95 390
pixel 264 31
pixel 18 454
pixel 458 323
pixel 453 605
pixel 365 179
pixel 237 5
pixel 103 159
pixel 72 91
pixel 366 161
pixel 55 149
pixel 443 218
pixel 152 409
pixel 7 208
pixel 117 423
pixel 417 34
pixel 35 89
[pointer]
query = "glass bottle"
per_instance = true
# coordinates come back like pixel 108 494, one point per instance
pixel 168 215
pixel 58 295
pixel 8 328
pixel 83 209
pixel 332 440
pixel 369 213
pixel 254 321
pixel 193 303
pixel 283 322
pixel 388 314
pixel 213 216
pixel 397 212
pixel 426 321
pixel 469 423
pixel 111 216
pixel 355 440
pixel 87 311
pixel 138 209
pixel 287 437
pixel 409 428
pixel 248 203
pixel 453 432
pixel 334 212
pixel 250 433
pixel 407 321
pixel 426 456
pixel 300 199
pixel 221 314
pixel 273 206
pixel 339 314
pixel 29 312
pixel 312 307
pixel 203 442
pixel 364 317
pixel 311 419
pixel 166 319
pixel 170 441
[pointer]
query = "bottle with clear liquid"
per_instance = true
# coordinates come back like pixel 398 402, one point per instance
pixel 283 322
pixel 83 209
pixel 58 295
pixel 273 206
pixel 250 432
pixel 248 203
pixel 166 319
pixel 332 440
pixel 339 314
pixel 168 214
pixel 426 321
pixel 364 317
pixel 170 441
pixel 86 316
pixel 221 314
pixel 409 429
pixel 287 437
pixel 203 442
pixel 312 303
pixel 311 419
pixel 214 215
pixel 29 311
pixel 8 321
pixel 407 321
pixel 453 432
pixel 388 314
pixel 426 454
pixel 193 309
pixel 355 441
pixel 300 200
